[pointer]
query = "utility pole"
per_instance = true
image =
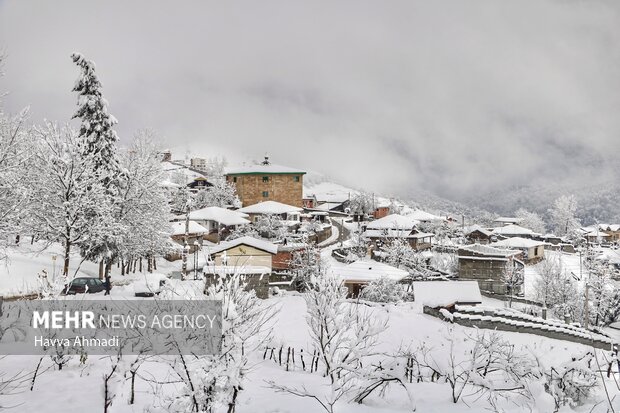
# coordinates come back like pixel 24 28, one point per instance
pixel 586 314
pixel 185 243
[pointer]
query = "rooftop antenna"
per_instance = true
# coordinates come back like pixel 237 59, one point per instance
pixel 266 161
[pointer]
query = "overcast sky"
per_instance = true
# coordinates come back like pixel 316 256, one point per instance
pixel 387 95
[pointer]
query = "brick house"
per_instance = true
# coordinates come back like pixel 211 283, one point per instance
pixel 267 182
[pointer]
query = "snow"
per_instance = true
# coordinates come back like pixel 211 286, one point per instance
pixel 250 241
pixel 178 228
pixel 262 169
pixel 444 293
pixel 513 229
pixel 235 269
pixel 329 192
pixel 270 207
pixel 474 228
pixel 424 216
pixel 393 221
pixel 486 250
pixel 171 169
pixel 365 271
pixel 517 242
pixel 221 215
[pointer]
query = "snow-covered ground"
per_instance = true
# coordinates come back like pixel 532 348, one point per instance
pixel 19 273
pixel 77 388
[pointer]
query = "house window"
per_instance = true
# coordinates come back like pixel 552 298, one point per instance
pixel 296 178
pixel 265 194
pixel 265 179
pixel 234 179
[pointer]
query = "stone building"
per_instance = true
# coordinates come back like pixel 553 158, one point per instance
pixel 267 182
pixel 486 265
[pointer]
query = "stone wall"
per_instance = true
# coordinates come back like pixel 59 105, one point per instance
pixel 505 326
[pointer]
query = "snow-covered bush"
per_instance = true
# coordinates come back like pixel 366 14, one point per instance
pixel 384 290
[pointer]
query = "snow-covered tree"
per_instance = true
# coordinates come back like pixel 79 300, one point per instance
pixel 563 216
pixel 144 208
pixel 556 289
pixel 344 334
pixel 398 253
pixel 64 188
pixel 213 382
pixel 384 290
pixel 271 226
pixel 604 296
pixel 98 148
pixel 479 365
pixel 531 220
pixel 15 153
pixel 222 194
pixel 306 266
pixel 512 275
pixel 361 203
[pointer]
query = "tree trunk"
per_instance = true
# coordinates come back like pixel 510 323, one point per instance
pixel 65 267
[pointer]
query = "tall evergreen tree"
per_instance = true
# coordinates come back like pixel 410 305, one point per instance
pixel 97 145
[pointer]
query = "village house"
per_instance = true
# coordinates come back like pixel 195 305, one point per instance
pixel 502 221
pixel 425 217
pixel 267 182
pixel 177 173
pixel 486 265
pixel 309 201
pixel 382 210
pixel 596 234
pixel 219 222
pixel 248 256
pixel 612 230
pixel 358 274
pixel 395 226
pixel 532 251
pixel 513 230
pixel 195 238
pixel 283 211
pixel 478 235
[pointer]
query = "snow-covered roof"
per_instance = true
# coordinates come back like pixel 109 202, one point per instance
pixel 420 215
pixel 329 192
pixel 262 168
pixel 509 220
pixel 443 293
pixel 517 242
pixel 393 221
pixel 170 168
pixel 366 271
pixel 513 229
pixel 178 228
pixel 222 215
pixel 250 241
pixel 388 233
pixel 596 230
pixel 270 207
pixel 236 269
pixel 488 251
pixel 478 228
